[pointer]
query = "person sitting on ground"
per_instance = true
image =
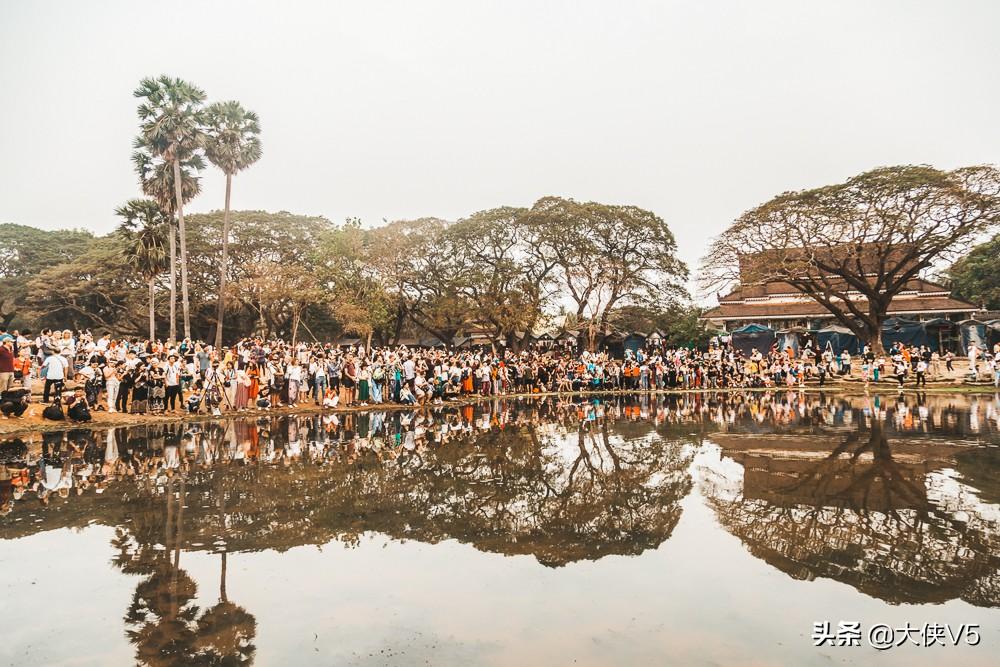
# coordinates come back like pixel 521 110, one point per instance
pixel 331 397
pixel 78 408
pixel 194 400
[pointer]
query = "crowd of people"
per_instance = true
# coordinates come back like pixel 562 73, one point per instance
pixel 142 376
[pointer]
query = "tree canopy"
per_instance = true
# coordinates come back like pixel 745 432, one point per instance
pixel 975 277
pixel 500 273
pixel 854 246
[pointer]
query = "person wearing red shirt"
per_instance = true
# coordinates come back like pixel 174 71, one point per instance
pixel 6 364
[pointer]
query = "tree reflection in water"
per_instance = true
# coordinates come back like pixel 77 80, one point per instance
pixel 820 493
pixel 162 622
pixel 564 488
pixel 899 528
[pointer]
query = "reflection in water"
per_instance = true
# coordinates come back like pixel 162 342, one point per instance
pixel 897 499
pixel 162 621
pixel 896 522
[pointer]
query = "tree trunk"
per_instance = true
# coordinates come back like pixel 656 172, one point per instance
pixel 873 327
pixel 173 283
pixel 152 309
pixel 184 263
pixel 222 580
pixel 225 264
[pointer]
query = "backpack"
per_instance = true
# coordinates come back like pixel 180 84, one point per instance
pixel 53 412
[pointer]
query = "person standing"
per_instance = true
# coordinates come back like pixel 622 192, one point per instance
pixel 25 366
pixel 921 373
pixel 973 358
pixel 112 382
pixel 172 382
pixel 6 364
pixel 293 374
pixel 317 370
pixel 126 380
pixel 242 396
pixel 54 369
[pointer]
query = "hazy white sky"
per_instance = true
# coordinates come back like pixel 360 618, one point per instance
pixel 696 110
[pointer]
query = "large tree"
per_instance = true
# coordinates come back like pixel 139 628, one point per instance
pixel 608 256
pixel 96 290
pixel 232 144
pixel 854 246
pixel 257 238
pixel 975 277
pixel 360 303
pixel 505 278
pixel 24 253
pixel 172 121
pixel 419 267
pixel 145 228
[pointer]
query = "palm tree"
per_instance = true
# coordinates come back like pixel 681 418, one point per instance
pixel 156 176
pixel 172 118
pixel 145 227
pixel 232 144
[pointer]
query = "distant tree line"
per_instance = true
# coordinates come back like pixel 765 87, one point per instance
pixel 500 272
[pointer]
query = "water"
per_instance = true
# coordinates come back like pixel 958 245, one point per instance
pixel 699 529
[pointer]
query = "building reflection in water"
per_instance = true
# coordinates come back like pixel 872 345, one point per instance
pixel 900 521
pixel 895 498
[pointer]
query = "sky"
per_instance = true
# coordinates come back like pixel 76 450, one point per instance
pixel 695 110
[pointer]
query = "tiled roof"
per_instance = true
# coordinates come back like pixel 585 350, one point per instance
pixel 899 306
pixel 778 287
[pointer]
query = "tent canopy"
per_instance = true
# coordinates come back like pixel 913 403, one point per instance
pixel 838 338
pixel 974 332
pixel 907 332
pixel 753 328
pixel 753 337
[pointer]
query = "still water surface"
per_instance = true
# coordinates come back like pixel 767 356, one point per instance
pixel 695 529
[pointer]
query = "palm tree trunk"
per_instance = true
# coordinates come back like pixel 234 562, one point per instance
pixel 152 309
pixel 225 264
pixel 173 283
pixel 184 262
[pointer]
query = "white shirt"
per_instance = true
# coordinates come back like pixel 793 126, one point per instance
pixel 55 366
pixel 173 374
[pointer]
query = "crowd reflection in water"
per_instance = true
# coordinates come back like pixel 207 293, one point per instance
pixel 808 481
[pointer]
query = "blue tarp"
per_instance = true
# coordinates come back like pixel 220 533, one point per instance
pixel 993 332
pixel 973 331
pixel 908 332
pixel 838 338
pixel 753 337
pixel 790 338
pixel 633 342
